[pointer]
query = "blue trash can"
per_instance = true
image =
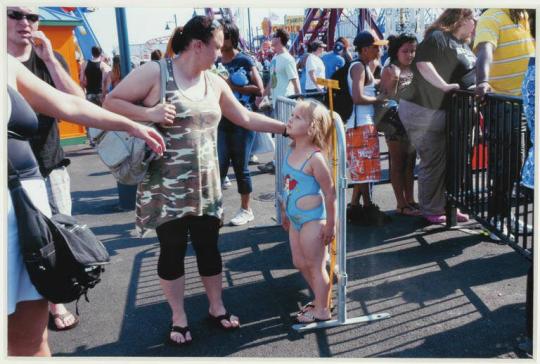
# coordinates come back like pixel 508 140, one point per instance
pixel 126 196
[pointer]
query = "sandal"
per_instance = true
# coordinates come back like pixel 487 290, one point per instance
pixel 310 318
pixel 62 317
pixel 435 219
pixel 414 205
pixel 408 211
pixel 181 330
pixel 216 321
pixel 308 306
pixel 305 308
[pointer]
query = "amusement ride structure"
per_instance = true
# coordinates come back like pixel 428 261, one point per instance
pixel 325 24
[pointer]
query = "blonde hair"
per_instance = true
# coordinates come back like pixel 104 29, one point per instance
pixel 320 124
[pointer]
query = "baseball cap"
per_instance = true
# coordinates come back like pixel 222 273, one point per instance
pixel 366 39
pixel 338 47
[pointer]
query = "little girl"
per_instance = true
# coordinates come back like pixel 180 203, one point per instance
pixel 310 220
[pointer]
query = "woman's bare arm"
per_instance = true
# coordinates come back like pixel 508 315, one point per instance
pixel 139 89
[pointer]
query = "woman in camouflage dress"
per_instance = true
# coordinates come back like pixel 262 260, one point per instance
pixel 181 193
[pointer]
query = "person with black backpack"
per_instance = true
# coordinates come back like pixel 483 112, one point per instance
pixel 362 136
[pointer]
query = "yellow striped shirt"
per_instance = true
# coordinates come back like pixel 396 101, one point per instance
pixel 513 46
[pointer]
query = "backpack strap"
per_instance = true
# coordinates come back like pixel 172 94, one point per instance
pixel 163 77
pixel 14 180
pixel 349 75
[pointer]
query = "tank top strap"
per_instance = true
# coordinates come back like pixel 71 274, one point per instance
pixel 307 159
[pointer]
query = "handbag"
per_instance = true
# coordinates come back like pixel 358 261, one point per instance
pixel 64 259
pixel 126 156
pixel 263 143
pixel 386 117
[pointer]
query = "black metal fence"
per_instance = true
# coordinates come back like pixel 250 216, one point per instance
pixel 486 146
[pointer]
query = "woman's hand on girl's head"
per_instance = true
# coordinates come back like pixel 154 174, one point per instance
pixel 151 136
pixel 163 114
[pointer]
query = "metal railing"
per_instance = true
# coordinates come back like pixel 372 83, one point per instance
pixel 486 144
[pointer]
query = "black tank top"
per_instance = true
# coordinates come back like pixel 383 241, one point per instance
pixel 22 125
pixel 93 77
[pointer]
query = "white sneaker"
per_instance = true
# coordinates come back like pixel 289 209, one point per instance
pixel 253 159
pixel 226 183
pixel 522 229
pixel 242 217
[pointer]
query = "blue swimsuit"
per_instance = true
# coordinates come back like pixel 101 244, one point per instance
pixel 298 184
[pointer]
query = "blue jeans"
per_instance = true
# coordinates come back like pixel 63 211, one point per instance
pixel 234 145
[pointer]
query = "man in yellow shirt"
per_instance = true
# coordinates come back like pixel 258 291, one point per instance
pixel 503 45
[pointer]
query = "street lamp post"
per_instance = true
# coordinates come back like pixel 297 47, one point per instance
pixel 170 21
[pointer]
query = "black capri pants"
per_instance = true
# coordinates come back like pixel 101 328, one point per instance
pixel 173 238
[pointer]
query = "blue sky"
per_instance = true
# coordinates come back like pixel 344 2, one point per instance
pixel 148 23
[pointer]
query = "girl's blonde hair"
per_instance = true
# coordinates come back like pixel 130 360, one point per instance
pixel 320 124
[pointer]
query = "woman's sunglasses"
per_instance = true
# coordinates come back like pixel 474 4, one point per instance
pixel 17 15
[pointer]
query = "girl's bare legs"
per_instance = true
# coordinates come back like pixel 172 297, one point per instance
pixel 299 260
pixel 397 172
pixel 313 251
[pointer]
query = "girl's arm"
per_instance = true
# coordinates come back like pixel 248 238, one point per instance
pixel 239 115
pixel 140 85
pixel 389 81
pixel 47 100
pixel 323 176
pixel 285 223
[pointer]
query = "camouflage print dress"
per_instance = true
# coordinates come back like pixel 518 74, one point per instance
pixel 185 181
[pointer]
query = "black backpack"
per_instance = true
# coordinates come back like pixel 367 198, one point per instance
pixel 343 103
pixel 64 259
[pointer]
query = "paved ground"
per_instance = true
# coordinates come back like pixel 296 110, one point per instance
pixel 450 293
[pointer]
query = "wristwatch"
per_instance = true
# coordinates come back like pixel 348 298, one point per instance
pixel 285 132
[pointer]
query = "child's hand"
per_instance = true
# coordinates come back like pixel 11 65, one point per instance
pixel 285 223
pixel 328 233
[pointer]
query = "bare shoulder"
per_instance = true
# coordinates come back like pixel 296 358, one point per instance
pixel 357 69
pixel 318 159
pixel 392 70
pixel 147 73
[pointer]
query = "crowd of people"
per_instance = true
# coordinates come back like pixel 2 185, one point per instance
pixel 209 122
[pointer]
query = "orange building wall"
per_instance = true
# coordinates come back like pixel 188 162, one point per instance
pixel 62 40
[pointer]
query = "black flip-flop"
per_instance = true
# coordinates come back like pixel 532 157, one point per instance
pixel 216 321
pixel 181 330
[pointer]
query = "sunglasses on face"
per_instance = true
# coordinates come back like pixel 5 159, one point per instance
pixel 17 15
